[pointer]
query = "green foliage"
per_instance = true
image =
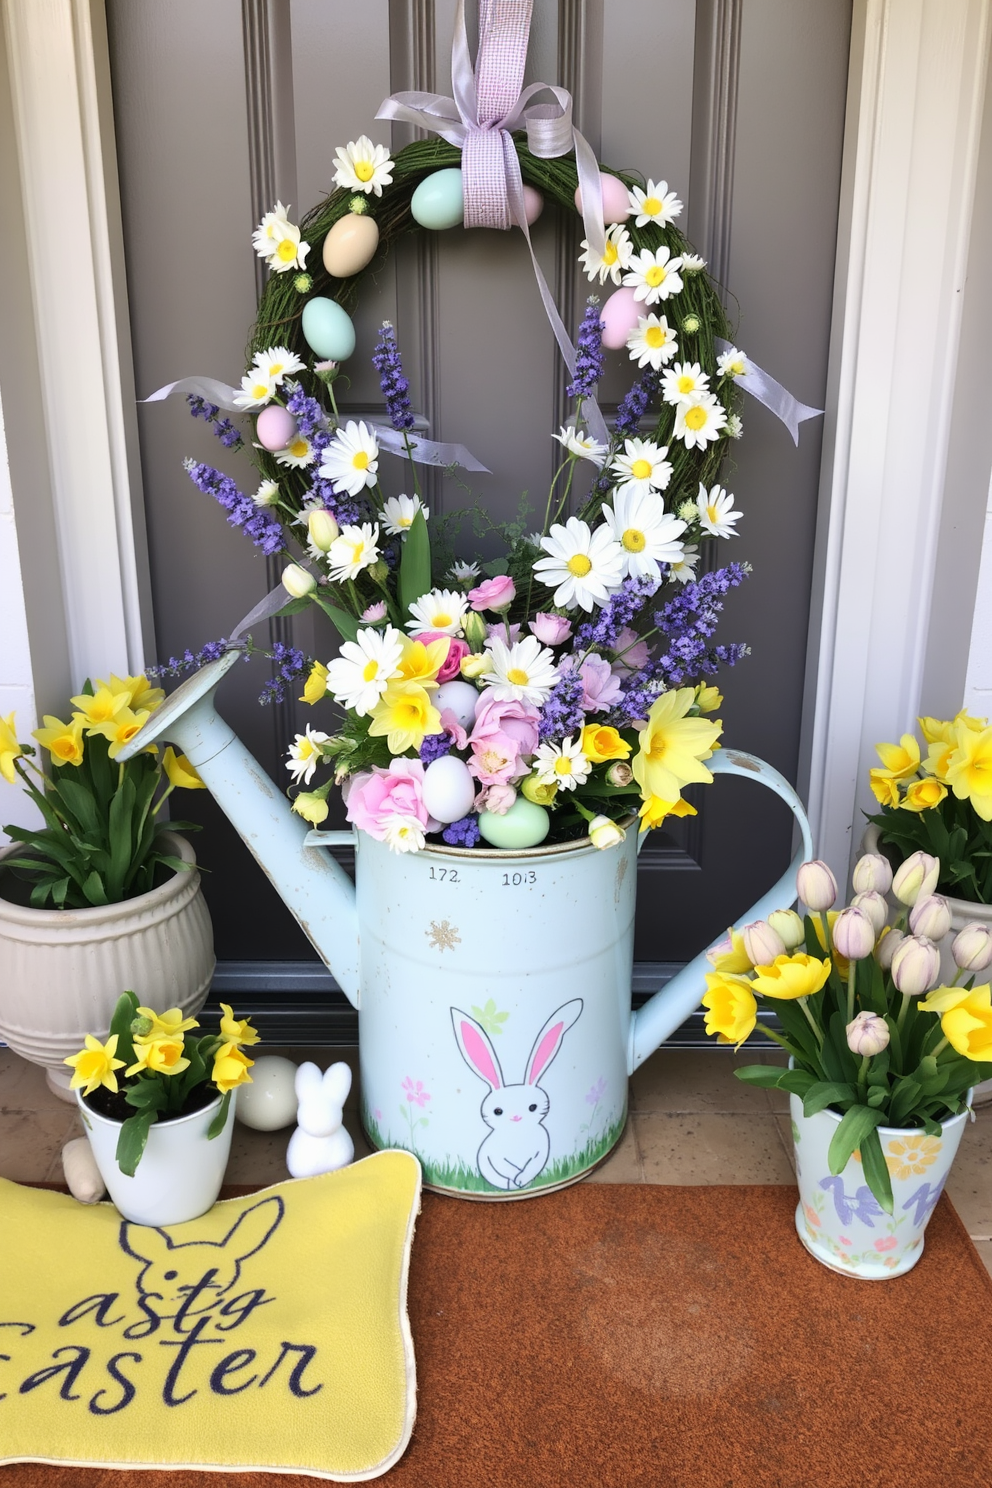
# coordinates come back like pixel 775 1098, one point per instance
pixel 415 564
pixel 951 831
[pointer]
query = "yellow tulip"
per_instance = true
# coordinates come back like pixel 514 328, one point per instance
pixel 708 699
pixel 672 747
pixel 420 664
pixel 899 760
pixel 733 1011
pixel 600 742
pixel 793 976
pixel 924 794
pixel 236 1030
pixel 969 773
pixel 730 956
pixel 162 1056
pixel 95 1065
pixel 64 741
pixel 180 772
pixel 315 686
pixel 654 811
pixel 966 1019
pixel 231 1068
pixel 9 748
pixel 883 788
pixel 405 715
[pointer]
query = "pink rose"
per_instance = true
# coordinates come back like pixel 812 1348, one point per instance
pixel 635 653
pixel 496 798
pixel 399 791
pixel 519 720
pixel 457 648
pixel 550 630
pixel 493 594
pixel 496 759
pixel 375 612
pixel 600 686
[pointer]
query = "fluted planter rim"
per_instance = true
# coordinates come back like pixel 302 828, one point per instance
pixel 163 896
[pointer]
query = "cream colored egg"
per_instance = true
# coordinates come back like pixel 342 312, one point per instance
pixel 350 245
pixel 269 1102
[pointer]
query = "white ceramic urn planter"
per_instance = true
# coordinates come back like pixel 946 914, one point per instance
pixel 181 1169
pixel 64 969
pixel 838 1218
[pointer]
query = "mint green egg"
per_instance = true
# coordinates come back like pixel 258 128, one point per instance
pixel 524 825
pixel 328 329
pixel 438 201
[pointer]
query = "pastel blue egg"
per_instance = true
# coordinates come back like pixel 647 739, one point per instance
pixel 438 201
pixel 524 825
pixel 328 330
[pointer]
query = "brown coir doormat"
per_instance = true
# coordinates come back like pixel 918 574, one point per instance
pixel 614 1336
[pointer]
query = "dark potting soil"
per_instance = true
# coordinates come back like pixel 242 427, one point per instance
pixel 117 1108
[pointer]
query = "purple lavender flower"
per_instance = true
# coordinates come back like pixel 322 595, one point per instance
pixel 310 417
pixel 462 833
pixel 618 611
pixel 263 529
pixel 200 408
pixel 287 663
pixel 588 352
pixel 345 509
pixel 228 434
pixel 562 712
pixel 395 387
pixel 698 605
pixel 434 746
pixel 188 662
pixel 635 404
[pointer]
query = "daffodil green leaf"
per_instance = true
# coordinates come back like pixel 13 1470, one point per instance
pixel 854 1127
pixel 415 564
pixel 220 1120
pixel 132 1140
pixel 346 625
pixel 827 1093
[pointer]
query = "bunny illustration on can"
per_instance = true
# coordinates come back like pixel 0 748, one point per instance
pixel 518 1144
pixel 320 1143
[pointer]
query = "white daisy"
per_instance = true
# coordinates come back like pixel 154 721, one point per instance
pixel 732 363
pixel 647 534
pixel 684 381
pixel 735 426
pixel 561 764
pixel 298 452
pixel 355 549
pixel 360 674
pixel 642 466
pixel 305 755
pixel 399 512
pixel 351 460
pixel 277 362
pixel 267 493
pixel 685 569
pixel 615 257
pixel 692 263
pixel 442 610
pixel 403 833
pixel 656 204
pixel 464 573
pixel 716 514
pixel 583 445
pixel 277 240
pixel 363 166
pixel 654 276
pixel 584 565
pixel 524 672
pixel 699 420
pixel 256 389
pixel 652 343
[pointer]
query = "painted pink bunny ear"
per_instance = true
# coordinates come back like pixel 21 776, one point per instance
pixel 477 1051
pixel 548 1041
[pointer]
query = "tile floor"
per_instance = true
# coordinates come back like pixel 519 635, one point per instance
pixel 691 1123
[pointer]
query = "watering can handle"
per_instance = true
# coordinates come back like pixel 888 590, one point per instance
pixel 670 1006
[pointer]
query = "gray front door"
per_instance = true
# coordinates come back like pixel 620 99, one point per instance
pixel 222 108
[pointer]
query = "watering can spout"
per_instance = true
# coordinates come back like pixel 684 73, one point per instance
pixel 313 886
pixel 679 998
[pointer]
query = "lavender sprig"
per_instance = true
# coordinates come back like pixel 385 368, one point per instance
pixel 698 605
pixel 618 611
pixel 263 529
pixel 395 387
pixel 635 404
pixel 228 434
pixel 562 712
pixel 190 662
pixel 588 352
pixel 462 833
pixel 435 746
pixel 310 417
pixel 346 510
pixel 287 663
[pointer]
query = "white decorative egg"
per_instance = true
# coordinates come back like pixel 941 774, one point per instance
pixel 449 790
pixel 460 697
pixel 269 1102
pixel 350 245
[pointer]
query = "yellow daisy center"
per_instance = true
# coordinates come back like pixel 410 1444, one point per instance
pixel 579 565
pixel 307 749
pixel 713 513
pixel 650 206
pixel 370 671
pixel 686 383
pixel 695 417
pixel 286 250
pixel 364 170
pixel 260 390
pixel 655 275
pixel 654 336
pixel 633 540
pixel 298 448
pixel 517 676
pixel 360 460
pixel 276 369
pixel 441 619
pixel 404 521
pixel 610 254
pixel 640 469
pixel 563 765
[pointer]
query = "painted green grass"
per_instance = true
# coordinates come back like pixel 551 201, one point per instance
pixel 454 1174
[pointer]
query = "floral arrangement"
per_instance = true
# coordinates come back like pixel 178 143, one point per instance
pixel 101 842
pixel 941 803
pixel 167 1073
pixel 848 989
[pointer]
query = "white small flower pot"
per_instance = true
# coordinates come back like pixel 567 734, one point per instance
pixel 838 1218
pixel 181 1169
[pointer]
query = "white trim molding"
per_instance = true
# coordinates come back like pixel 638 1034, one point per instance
pixel 915 108
pixel 62 107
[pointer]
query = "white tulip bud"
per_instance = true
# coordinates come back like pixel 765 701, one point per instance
pixel 604 833
pixel 787 924
pixel 915 965
pixel 931 917
pixel 297 582
pixel 867 1034
pixel 322 529
pixel 874 906
pixel 761 943
pixel 887 947
pixel 853 934
pixel 872 873
pixel 916 878
pixel 972 947
pixel 816 885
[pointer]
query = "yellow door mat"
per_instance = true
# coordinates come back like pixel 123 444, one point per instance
pixel 270 1334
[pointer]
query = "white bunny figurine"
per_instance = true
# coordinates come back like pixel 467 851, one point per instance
pixel 320 1142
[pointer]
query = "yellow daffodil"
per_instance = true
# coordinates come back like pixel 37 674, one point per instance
pixel 405 714
pixel 937 730
pixel 168 1025
pixel 965 1018
pixel 793 976
pixel 600 742
pixel 315 686
pixel 923 795
pixel 899 761
pixel 9 748
pixel 180 772
pixel 236 1030
pixel 729 958
pixel 311 807
pixel 883 788
pixel 674 746
pixel 732 1010
pixel 420 663
pixel 939 757
pixel 120 728
pixel 163 1056
pixel 969 772
pixel 102 708
pixel 542 793
pixel 139 691
pixel 231 1068
pixel 654 811
pixel 708 699
pixel 95 1065
pixel 64 741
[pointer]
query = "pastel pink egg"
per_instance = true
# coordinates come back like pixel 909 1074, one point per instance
pixel 274 427
pixel 616 202
pixel 533 204
pixel 620 315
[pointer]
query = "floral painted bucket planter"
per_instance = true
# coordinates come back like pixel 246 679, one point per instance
pixel 838 1218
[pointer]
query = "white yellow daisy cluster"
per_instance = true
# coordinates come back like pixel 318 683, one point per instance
pixel 268 370
pixel 363 166
pixel 277 240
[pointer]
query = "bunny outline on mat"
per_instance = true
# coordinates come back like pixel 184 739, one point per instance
pixel 518 1144
pixel 320 1143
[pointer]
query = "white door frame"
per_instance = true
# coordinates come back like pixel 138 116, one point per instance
pixel 915 109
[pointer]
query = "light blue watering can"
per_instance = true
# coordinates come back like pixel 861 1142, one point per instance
pixel 493 988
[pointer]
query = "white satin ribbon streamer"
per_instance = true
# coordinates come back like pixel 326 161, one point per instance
pixel 769 392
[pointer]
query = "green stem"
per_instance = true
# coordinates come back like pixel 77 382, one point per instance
pixel 863 1074
pixel 903 1009
pixel 803 1001
pixel 850 990
pixel 939 1048
pixel 156 809
pixel 827 946
pixel 413 468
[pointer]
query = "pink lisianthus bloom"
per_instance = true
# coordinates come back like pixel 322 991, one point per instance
pixel 496 759
pixel 493 594
pixel 500 629
pixel 457 648
pixel 550 630
pixel 519 720
pixel 600 685
pixel 451 726
pixel 496 798
pixel 379 794
pixel 632 659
